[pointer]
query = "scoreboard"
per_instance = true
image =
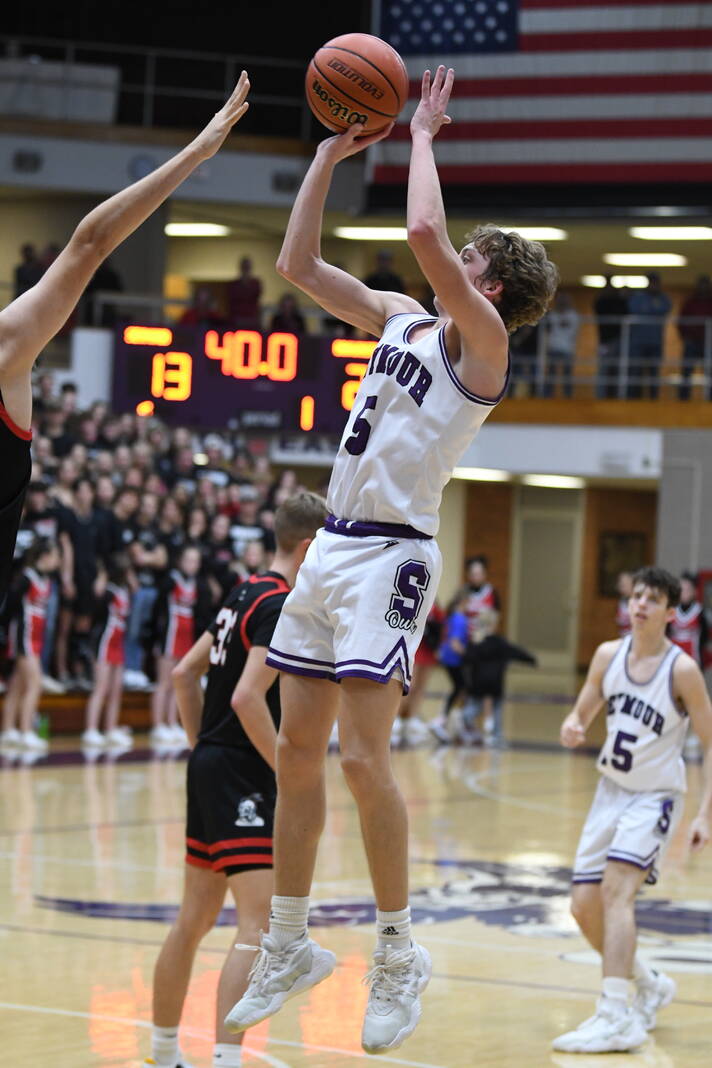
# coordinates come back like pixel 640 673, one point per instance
pixel 238 378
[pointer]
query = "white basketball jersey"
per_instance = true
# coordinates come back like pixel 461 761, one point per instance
pixel 411 422
pixel 645 730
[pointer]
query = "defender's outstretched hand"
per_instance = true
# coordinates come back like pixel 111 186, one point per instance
pixel 434 98
pixel 350 142
pixel 211 138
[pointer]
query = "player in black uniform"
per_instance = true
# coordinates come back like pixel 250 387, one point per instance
pixel 30 321
pixel 231 783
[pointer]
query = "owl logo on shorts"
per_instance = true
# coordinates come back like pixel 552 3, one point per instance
pixel 411 580
pixel 247 814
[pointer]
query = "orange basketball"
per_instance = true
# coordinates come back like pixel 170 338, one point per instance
pixel 356 78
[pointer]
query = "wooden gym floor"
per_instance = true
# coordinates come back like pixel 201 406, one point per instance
pixel 91 859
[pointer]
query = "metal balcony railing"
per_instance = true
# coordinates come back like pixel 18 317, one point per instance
pixel 169 87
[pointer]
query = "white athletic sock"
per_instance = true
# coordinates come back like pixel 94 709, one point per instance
pixel 227 1056
pixel 642 973
pixel 616 991
pixel 393 928
pixel 164 1045
pixel 288 919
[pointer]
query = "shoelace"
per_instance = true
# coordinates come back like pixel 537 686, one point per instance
pixel 264 962
pixel 385 978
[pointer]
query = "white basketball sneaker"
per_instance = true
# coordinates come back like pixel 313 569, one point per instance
pixel 276 976
pixel 608 1031
pixel 653 996
pixel 32 741
pixel 93 738
pixel 397 979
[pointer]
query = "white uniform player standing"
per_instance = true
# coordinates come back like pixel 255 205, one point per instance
pixel 358 609
pixel 652 690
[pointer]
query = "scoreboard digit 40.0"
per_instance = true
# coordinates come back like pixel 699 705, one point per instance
pixel 212 378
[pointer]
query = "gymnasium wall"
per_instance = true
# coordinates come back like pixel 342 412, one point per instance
pixel 608 511
pixel 488 531
pixel 489 516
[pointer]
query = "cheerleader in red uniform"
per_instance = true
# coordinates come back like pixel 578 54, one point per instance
pixel 689 627
pixel 27 612
pixel 174 626
pixel 109 669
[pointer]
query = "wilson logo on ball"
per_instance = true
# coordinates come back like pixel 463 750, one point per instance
pixel 337 109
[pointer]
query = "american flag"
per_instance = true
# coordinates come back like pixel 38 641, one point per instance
pixel 559 90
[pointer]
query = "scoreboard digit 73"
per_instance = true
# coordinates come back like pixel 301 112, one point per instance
pixel 214 378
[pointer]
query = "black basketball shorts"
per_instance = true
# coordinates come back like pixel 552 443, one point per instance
pixel 230 810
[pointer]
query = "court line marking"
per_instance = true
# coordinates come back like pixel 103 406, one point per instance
pixel 195 1033
pixel 472 782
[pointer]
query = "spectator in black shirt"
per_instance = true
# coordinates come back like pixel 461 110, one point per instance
pixel 287 317
pixel 215 470
pixel 184 470
pixel 40 518
pixel 105 280
pixel 84 543
pixel 384 277
pixel 122 461
pixel 610 304
pixel 124 510
pixel 43 395
pixel 28 271
pixel 149 557
pixel 171 530
pixel 248 527
pixel 54 427
pixel 524 349
pixel 105 496
pixel 63 487
pixel 197 527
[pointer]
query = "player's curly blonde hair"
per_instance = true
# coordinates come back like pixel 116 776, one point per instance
pixel 529 279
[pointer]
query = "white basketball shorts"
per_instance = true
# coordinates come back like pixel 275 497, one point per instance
pixel 359 605
pixel 635 828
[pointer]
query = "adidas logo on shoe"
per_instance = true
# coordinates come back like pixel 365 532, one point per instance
pixel 390 931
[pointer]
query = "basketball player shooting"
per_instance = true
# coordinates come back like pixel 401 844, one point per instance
pixel 32 320
pixel 358 609
pixel 652 691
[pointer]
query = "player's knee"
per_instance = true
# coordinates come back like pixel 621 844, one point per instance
pixel 191 926
pixel 297 763
pixel 361 773
pixel 616 893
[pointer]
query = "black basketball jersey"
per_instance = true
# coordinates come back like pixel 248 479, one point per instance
pixel 248 617
pixel 15 470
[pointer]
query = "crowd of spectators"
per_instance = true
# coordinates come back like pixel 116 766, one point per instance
pixel 105 484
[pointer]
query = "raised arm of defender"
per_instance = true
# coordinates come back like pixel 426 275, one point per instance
pixel 34 318
pixel 483 352
pixel 300 260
